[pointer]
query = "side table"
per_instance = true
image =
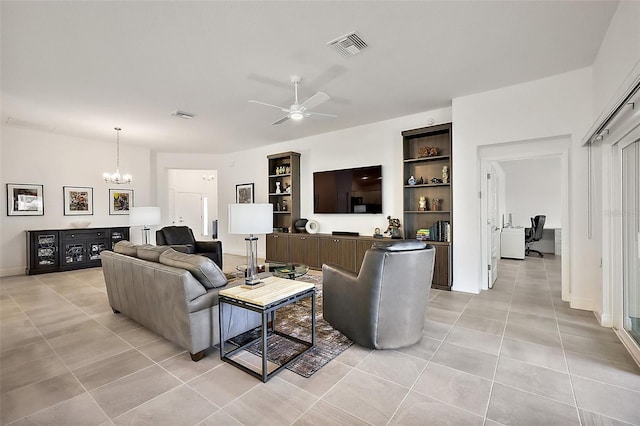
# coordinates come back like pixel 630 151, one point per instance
pixel 275 294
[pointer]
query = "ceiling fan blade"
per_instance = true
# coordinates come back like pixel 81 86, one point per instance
pixel 314 101
pixel 282 120
pixel 270 105
pixel 320 113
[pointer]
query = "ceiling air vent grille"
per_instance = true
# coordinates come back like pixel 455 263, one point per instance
pixel 349 44
pixel 182 114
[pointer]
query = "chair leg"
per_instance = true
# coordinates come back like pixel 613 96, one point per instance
pixel 535 251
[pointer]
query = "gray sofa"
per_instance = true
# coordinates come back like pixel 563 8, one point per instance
pixel 172 294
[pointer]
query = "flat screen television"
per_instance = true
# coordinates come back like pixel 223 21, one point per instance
pixel 357 190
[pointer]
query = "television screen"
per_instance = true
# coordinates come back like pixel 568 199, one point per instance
pixel 357 190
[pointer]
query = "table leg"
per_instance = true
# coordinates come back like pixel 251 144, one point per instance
pixel 264 346
pixel 313 319
pixel 222 336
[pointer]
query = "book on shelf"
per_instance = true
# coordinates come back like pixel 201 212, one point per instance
pixel 439 231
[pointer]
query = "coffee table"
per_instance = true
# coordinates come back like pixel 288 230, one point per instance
pixel 274 294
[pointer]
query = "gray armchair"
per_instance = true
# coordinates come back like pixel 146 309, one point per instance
pixel 383 307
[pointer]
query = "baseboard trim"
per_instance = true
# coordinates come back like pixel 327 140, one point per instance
pixel 581 303
pixel 604 320
pixel 10 272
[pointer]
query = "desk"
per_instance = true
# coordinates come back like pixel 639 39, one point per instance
pixel 512 243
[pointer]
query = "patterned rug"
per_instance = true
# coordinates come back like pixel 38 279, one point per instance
pixel 295 320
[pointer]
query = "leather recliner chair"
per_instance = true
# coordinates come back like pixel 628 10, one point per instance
pixel 383 307
pixel 182 239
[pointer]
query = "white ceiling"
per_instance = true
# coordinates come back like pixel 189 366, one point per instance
pixel 82 68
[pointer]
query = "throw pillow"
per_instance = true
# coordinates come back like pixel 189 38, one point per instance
pixel 150 252
pixel 126 247
pixel 202 268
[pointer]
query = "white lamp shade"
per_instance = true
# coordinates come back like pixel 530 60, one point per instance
pixel 250 218
pixel 145 216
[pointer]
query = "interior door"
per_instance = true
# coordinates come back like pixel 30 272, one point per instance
pixel 493 226
pixel 631 239
pixel 188 209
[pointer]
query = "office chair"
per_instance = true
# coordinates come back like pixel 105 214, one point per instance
pixel 534 234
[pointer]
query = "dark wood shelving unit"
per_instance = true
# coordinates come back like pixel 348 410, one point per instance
pixel 284 169
pixel 426 168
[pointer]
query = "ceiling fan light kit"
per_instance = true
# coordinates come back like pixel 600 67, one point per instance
pixel 297 111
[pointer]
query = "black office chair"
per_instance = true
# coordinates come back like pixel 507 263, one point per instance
pixel 534 234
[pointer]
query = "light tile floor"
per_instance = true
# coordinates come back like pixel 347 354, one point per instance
pixel 515 354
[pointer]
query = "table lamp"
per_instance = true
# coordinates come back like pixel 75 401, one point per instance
pixel 251 219
pixel 145 216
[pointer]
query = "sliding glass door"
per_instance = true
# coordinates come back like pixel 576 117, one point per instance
pixel 631 239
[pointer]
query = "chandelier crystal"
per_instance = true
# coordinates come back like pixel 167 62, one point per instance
pixel 116 177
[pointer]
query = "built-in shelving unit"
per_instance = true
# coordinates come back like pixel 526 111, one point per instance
pixel 427 168
pixel 284 195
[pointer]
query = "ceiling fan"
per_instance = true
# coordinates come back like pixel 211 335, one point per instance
pixel 298 111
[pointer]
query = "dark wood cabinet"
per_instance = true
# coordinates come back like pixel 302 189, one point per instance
pixel 67 249
pixel 339 251
pixel 304 249
pixel 277 247
pixel 427 158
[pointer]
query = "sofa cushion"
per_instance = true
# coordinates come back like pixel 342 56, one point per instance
pixel 150 252
pixel 126 247
pixel 202 268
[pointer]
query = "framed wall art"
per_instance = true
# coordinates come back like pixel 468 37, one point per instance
pixel 25 200
pixel 244 193
pixel 78 200
pixel 120 201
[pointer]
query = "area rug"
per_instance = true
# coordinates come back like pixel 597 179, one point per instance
pixel 295 320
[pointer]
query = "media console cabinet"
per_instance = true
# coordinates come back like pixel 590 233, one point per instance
pixel 54 250
pixel 346 251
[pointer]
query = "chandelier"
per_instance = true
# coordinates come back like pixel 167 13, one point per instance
pixel 117 177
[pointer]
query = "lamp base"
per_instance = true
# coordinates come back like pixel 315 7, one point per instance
pixel 252 286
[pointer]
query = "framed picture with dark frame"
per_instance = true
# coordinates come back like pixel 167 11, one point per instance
pixel 120 201
pixel 25 200
pixel 78 200
pixel 244 193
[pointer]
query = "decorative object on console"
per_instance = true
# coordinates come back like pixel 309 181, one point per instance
pixel 376 233
pixel 78 200
pixel 25 200
pixel 251 219
pixel 312 227
pixel 411 181
pixel 394 228
pixel 80 224
pixel 445 174
pixel 428 151
pixel 422 201
pixel 145 217
pixel 120 201
pixel 300 225
pixel 244 193
pixel 116 177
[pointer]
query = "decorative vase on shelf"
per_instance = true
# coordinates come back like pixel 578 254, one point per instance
pixel 411 181
pixel 278 190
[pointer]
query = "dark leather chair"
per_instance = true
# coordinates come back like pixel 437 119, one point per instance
pixel 534 234
pixel 183 239
pixel 383 307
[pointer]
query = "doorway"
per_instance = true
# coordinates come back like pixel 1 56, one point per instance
pixel 523 152
pixel 193 201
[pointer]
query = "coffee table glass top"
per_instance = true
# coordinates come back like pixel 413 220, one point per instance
pixel 283 270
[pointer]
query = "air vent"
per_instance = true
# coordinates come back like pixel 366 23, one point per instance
pixel 349 44
pixel 182 114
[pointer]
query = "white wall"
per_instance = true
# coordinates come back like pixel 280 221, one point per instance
pixel 546 108
pixel 377 143
pixel 29 156
pixel 532 187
